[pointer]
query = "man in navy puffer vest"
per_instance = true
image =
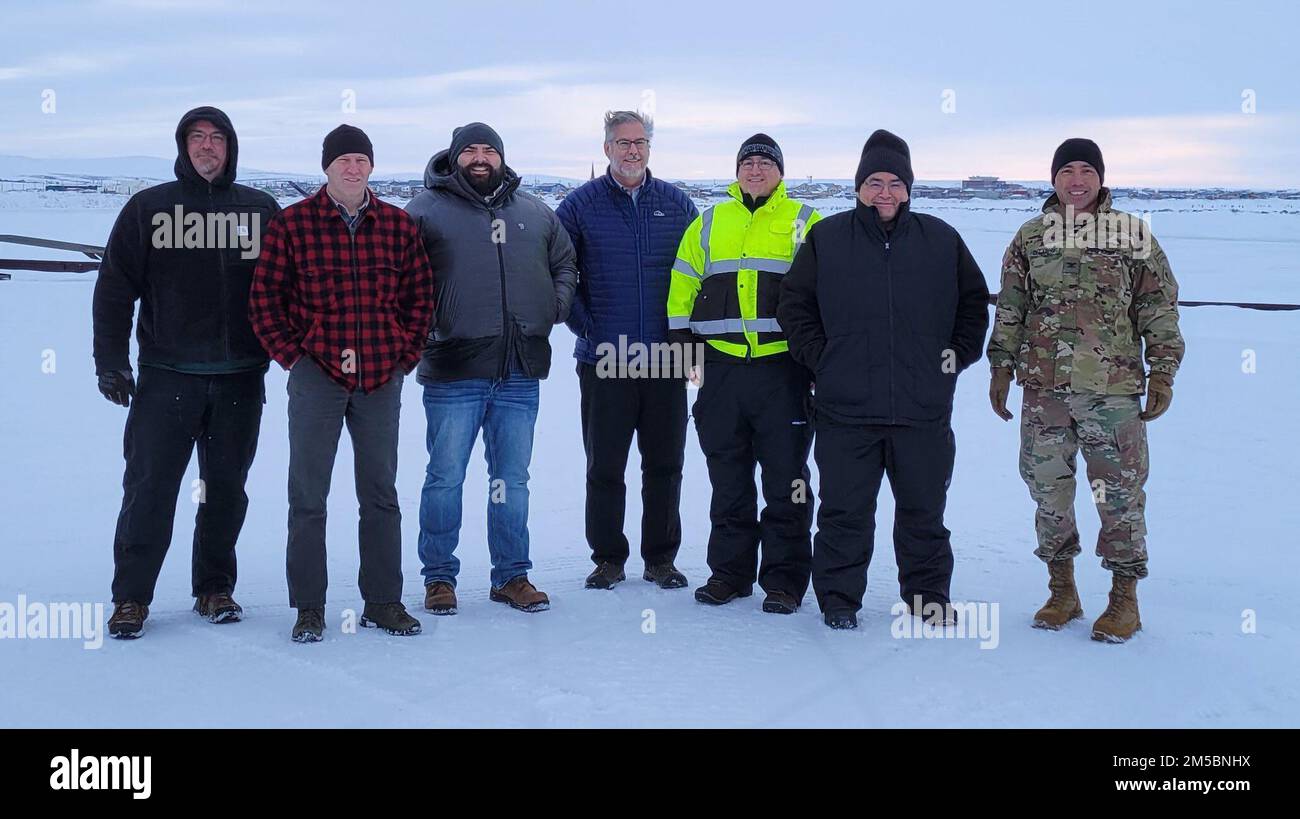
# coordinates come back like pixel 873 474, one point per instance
pixel 626 226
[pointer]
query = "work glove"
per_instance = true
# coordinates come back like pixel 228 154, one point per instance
pixel 1160 394
pixel 117 386
pixel 999 388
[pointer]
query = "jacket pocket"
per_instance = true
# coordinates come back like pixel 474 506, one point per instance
pixel 318 288
pixel 934 374
pixel 387 286
pixel 1046 276
pixel 401 339
pixel 1111 282
pixel 765 303
pixel 843 372
pixel 456 354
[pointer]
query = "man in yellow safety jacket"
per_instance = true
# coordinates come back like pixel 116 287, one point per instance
pixel 752 408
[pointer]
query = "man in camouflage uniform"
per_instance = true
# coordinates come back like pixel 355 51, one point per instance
pixel 1083 286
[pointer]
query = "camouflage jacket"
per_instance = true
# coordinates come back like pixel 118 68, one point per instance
pixel 1075 310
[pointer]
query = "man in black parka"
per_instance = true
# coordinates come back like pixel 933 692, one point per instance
pixel 886 307
pixel 186 251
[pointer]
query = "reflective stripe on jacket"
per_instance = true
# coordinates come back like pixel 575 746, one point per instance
pixel 727 277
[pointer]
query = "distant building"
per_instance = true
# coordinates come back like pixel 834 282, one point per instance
pixel 21 185
pixel 991 187
pixel 125 186
pixel 549 187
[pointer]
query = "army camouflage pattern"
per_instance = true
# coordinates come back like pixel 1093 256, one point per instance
pixel 1054 426
pixel 1072 318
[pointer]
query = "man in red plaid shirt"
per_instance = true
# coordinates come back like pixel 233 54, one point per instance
pixel 343 299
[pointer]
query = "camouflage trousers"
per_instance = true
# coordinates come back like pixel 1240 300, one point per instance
pixel 1054 426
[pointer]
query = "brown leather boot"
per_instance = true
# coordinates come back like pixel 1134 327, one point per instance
pixel 439 598
pixel 218 607
pixel 521 594
pixel 127 622
pixel 1063 604
pixel 1120 621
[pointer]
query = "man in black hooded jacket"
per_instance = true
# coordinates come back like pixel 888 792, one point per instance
pixel 186 251
pixel 886 307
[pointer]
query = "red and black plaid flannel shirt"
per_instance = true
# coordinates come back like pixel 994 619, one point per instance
pixel 360 306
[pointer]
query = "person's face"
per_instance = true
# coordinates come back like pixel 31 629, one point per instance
pixel 479 162
pixel 628 153
pixel 206 146
pixel 1077 184
pixel 348 175
pixel 885 192
pixel 758 176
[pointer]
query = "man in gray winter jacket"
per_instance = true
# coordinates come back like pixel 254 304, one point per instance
pixel 504 275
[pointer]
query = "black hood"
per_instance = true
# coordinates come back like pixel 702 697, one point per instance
pixel 440 173
pixel 184 168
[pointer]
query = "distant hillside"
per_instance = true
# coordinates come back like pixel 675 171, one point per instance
pixel 130 167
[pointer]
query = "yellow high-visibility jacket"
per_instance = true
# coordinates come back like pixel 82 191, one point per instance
pixel 727 277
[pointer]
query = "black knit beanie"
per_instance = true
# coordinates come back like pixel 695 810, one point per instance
pixel 887 152
pixel 345 139
pixel 1078 149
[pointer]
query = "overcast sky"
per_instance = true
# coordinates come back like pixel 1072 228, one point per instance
pixel 975 88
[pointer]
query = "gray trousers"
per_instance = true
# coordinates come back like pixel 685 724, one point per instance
pixel 317 409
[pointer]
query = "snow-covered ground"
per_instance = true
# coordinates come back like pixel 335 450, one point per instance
pixel 1220 646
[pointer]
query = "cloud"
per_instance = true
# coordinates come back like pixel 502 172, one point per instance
pixel 57 65
pixel 172 57
pixel 1225 149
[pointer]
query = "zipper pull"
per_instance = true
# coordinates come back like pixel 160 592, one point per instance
pixel 886 244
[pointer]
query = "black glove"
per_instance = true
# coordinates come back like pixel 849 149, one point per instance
pixel 117 386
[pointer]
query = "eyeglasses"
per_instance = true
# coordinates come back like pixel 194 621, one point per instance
pixel 199 137
pixel 896 187
pixel 625 145
pixel 758 164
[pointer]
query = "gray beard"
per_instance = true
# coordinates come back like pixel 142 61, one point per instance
pixel 621 178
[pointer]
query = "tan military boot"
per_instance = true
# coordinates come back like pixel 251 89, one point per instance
pixel 1120 620
pixel 1063 604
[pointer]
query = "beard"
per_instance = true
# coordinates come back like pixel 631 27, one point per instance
pixel 206 163
pixel 484 186
pixel 630 170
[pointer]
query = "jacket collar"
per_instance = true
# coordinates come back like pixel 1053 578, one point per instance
pixel 869 218
pixel 1053 203
pixel 326 208
pixel 775 198
pixel 613 184
pixel 440 174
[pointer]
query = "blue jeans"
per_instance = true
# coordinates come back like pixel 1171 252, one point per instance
pixel 506 411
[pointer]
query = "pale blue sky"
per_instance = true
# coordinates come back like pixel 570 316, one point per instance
pixel 1159 85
